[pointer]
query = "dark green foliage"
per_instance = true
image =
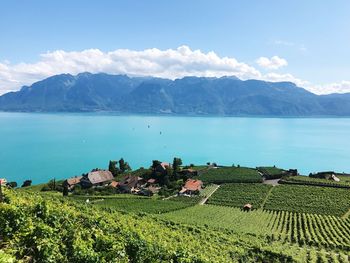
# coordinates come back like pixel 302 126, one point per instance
pixel 27 183
pixel 12 184
pixel 65 190
pixel 112 167
pixel 230 175
pixel 271 172
pixel 123 166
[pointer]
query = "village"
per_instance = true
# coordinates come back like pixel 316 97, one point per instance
pixel 161 178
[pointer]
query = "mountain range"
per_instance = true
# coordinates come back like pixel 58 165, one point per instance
pixel 225 96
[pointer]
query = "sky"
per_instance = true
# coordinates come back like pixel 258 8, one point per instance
pixel 307 42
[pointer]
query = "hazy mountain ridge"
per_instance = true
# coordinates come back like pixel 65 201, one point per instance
pixel 189 95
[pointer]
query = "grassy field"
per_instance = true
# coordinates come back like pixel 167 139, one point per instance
pixel 238 195
pixel 230 175
pixel 309 199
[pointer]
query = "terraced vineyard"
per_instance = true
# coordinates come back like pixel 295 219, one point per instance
pixel 55 229
pixel 230 175
pixel 240 194
pixel 322 231
pixel 309 199
pixel 305 180
pixel 271 172
pixel 146 205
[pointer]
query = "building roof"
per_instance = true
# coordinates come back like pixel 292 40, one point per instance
pixel 100 176
pixel 114 184
pixel 165 165
pixel 151 181
pixel 74 180
pixel 3 181
pixel 130 180
pixel 193 185
pixel 248 206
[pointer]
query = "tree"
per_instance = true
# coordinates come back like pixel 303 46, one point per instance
pixel 52 184
pixel 12 184
pixel 155 164
pixel 27 183
pixel 177 162
pixel 65 190
pixel 113 168
pixel 124 166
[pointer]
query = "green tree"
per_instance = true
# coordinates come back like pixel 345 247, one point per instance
pixel 65 190
pixel 177 162
pixel 112 167
pixel 124 166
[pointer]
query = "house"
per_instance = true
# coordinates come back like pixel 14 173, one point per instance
pixel 149 191
pixel 247 207
pixel 96 178
pixel 191 187
pixel 71 182
pixel 292 172
pixel 3 181
pixel 114 184
pixel 162 167
pixel 130 184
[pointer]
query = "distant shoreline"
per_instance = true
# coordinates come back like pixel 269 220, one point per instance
pixel 115 113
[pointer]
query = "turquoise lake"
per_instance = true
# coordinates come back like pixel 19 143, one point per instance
pixel 45 146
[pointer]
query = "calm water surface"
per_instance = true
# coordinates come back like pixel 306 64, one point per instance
pixel 44 146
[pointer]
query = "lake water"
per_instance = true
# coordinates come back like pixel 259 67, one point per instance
pixel 45 146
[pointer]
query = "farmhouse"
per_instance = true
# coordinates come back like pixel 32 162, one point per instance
pixel 96 178
pixel 71 182
pixel 191 187
pixel 130 184
pixel 162 167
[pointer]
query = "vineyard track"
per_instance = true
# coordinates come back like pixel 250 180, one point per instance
pixel 266 197
pixel 346 215
pixel 204 200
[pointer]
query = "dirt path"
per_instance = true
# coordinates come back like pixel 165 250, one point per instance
pixel 346 215
pixel 204 200
pixel 273 182
pixel 266 197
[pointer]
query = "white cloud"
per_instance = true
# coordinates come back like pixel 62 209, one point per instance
pixel 274 62
pixel 337 87
pixel 170 63
pixel 275 77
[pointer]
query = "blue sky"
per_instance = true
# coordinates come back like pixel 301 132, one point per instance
pixel 311 37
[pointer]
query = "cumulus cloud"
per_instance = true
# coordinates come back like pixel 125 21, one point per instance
pixel 337 87
pixel 274 62
pixel 170 63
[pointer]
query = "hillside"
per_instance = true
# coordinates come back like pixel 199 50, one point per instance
pixel 190 95
pixel 286 223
